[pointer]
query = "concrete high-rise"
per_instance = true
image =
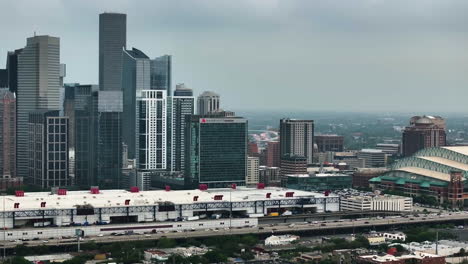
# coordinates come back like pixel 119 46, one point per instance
pixel 297 138
pixel 272 154
pixel 423 132
pixel 215 151
pixel 38 89
pixel 207 102
pixel 48 149
pixel 183 104
pixel 7 134
pixel 252 176
pixel 329 143
pixel 112 40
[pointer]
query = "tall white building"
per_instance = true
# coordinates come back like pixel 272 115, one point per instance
pixel 150 135
pixel 252 176
pixel 182 106
pixel 207 102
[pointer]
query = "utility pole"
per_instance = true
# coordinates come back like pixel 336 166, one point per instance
pixel 4 228
pixel 437 242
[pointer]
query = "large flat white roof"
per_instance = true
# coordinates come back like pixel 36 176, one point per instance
pixel 116 198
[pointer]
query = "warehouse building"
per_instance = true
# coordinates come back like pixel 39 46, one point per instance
pixel 99 211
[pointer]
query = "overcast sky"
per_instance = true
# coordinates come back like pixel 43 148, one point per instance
pixel 342 55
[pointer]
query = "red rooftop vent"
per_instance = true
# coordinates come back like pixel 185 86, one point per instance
pixel 168 188
pixel 43 204
pixel 203 187
pixel 268 195
pixel 94 190
pixel 16 205
pixel 195 198
pixel 127 202
pixel 134 189
pixel 260 186
pixel 233 186
pixel 289 194
pixel 19 193
pixel 218 197
pixel 62 192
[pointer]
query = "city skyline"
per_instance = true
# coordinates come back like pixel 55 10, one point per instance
pixel 375 47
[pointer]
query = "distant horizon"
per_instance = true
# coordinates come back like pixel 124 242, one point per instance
pixel 384 56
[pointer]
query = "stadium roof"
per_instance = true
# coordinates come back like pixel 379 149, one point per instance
pixel 426 172
pixel 444 161
pixel 459 149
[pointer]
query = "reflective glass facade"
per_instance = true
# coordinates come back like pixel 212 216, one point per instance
pixel 216 151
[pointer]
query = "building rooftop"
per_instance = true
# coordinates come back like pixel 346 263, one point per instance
pixel 117 198
pixel 427 173
pixel 459 149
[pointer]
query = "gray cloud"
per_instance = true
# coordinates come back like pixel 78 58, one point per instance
pixel 311 55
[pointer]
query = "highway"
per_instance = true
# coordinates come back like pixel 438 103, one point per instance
pixel 296 227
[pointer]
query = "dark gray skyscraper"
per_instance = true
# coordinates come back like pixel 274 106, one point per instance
pixel 80 108
pixel 135 79
pixel 182 106
pixel 112 39
pixel 161 73
pixel 112 42
pixel 38 89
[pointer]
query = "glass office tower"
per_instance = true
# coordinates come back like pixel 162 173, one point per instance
pixel 215 151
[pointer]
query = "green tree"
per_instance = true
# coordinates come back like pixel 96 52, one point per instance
pixel 215 256
pixel 166 243
pixel 19 260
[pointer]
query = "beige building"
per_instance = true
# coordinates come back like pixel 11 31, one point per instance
pixel 252 176
pixel 377 203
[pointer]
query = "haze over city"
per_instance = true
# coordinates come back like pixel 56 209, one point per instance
pixel 294 55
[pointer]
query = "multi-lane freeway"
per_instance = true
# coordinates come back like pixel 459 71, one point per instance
pixel 263 228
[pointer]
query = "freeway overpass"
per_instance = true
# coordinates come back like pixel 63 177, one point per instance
pixel 266 229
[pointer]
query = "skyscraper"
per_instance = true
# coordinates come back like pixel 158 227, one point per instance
pixel 109 145
pixel 207 102
pixel 48 149
pixel 81 111
pixel 183 104
pixel 135 79
pixel 112 39
pixel 423 132
pixel 272 154
pixel 38 89
pixel 112 42
pixel 7 134
pixel 215 151
pixel 297 138
pixel 161 73
pixel 150 130
pixel 12 69
pixel 161 79
pixel 252 176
